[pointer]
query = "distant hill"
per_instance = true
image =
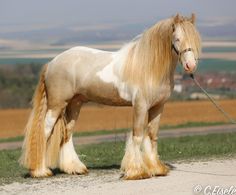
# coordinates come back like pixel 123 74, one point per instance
pixel 76 34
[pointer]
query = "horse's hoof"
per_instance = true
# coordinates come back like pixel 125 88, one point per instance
pixel 162 169
pixel 136 174
pixel 41 173
pixel 75 168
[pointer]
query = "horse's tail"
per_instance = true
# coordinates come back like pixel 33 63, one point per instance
pixel 37 150
pixel 34 146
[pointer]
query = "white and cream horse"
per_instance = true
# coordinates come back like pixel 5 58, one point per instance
pixel 140 75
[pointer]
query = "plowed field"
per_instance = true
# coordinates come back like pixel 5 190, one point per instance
pixel 93 118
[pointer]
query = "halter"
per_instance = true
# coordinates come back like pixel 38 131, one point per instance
pixel 182 52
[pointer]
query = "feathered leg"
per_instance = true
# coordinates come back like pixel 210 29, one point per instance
pixel 150 153
pixel 69 161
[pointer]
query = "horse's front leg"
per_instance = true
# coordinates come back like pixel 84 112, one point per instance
pixel 150 151
pixel 132 165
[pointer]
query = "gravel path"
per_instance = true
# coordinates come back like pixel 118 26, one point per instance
pixel 186 178
pixel 122 136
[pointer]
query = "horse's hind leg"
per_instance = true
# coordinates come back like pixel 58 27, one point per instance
pixel 150 153
pixel 69 161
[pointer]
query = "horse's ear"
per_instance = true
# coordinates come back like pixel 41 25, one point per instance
pixel 193 18
pixel 177 18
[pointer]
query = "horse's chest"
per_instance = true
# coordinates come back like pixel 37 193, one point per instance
pixel 161 94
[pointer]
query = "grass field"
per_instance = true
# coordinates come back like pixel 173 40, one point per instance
pixel 109 155
pixel 216 65
pixel 218 49
pixel 94 118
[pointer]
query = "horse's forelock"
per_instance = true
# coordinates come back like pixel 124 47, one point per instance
pixel 191 36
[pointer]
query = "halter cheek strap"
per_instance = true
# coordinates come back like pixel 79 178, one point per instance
pixel 182 52
pixel 174 48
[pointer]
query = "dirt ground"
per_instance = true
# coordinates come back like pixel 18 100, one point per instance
pixel 92 118
pixel 186 178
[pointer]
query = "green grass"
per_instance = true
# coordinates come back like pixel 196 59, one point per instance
pixel 9 168
pixel 106 132
pixel 109 155
pixel 191 124
pixel 170 149
pixel 218 49
pixel 11 139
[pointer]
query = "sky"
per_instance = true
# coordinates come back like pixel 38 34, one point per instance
pixel 40 13
pixel 28 24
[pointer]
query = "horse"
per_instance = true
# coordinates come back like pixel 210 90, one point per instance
pixel 140 74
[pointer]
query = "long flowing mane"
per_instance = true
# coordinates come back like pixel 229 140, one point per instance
pixel 150 61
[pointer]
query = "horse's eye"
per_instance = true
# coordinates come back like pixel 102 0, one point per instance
pixel 173 28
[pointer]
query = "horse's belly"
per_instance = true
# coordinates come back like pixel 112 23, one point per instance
pixel 104 93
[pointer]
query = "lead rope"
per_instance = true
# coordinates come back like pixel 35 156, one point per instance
pixel 226 115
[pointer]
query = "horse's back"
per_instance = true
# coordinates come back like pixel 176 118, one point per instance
pixel 78 61
pixel 79 56
pixel 75 69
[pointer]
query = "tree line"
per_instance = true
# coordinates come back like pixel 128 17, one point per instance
pixel 17 84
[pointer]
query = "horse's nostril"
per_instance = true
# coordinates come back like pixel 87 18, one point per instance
pixel 187 66
pixel 190 66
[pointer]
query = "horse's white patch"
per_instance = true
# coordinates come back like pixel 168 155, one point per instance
pixel 107 75
pixel 49 123
pixel 111 73
pixel 188 57
pixel 147 148
pixel 69 160
pixel 67 152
